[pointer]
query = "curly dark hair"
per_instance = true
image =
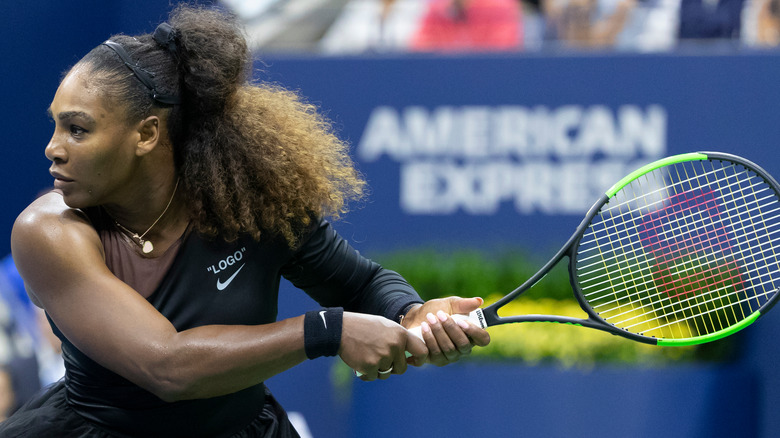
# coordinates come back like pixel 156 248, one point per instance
pixel 252 157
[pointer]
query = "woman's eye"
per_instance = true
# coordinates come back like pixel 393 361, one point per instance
pixel 77 131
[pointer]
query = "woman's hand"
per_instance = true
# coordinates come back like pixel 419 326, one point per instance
pixel 446 339
pixel 376 346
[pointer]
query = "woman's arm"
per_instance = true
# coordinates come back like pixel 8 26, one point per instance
pixel 335 274
pixel 328 269
pixel 60 257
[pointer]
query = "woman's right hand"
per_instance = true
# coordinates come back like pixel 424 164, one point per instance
pixel 370 344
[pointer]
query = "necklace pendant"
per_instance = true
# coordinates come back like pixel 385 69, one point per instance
pixel 146 246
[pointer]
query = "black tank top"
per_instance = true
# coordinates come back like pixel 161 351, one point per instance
pixel 216 282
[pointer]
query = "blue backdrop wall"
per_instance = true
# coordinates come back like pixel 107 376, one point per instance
pixel 481 151
pixel 490 150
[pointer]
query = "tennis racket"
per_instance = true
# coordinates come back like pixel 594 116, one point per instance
pixel 683 251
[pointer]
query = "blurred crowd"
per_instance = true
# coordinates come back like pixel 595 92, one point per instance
pixel 360 26
pixel 30 354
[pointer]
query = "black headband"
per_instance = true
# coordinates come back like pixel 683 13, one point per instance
pixel 143 75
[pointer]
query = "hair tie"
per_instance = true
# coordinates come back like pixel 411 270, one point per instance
pixel 166 36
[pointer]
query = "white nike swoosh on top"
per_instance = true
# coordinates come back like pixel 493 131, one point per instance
pixel 221 285
pixel 322 315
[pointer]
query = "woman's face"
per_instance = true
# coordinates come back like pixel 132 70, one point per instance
pixel 93 146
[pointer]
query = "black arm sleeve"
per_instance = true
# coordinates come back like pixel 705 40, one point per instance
pixel 333 273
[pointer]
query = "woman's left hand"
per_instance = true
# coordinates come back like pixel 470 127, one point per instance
pixel 446 339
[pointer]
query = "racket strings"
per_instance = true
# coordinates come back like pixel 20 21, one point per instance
pixel 683 250
pixel 598 259
pixel 610 234
pixel 625 247
pixel 699 305
pixel 729 267
pixel 713 289
pixel 663 191
pixel 648 282
pixel 737 312
pixel 621 217
pixel 641 268
pixel 654 228
pixel 630 245
pixel 762 224
pixel 624 323
pixel 639 263
pixel 734 307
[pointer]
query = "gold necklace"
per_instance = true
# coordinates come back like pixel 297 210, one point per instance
pixel 146 246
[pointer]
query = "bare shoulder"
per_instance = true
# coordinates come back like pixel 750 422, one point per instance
pixel 49 238
pixel 49 219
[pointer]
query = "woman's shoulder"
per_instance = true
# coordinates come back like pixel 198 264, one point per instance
pixel 49 239
pixel 49 210
pixel 48 223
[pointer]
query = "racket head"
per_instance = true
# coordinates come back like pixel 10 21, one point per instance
pixel 683 251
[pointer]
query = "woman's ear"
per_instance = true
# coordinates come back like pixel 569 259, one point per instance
pixel 149 135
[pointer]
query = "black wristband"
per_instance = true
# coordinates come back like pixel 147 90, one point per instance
pixel 322 332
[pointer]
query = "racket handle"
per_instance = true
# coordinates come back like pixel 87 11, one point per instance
pixel 476 317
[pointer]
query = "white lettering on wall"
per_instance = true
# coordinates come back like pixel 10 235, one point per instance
pixel 542 160
pixel 433 187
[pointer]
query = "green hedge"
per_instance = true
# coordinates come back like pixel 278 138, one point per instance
pixel 466 272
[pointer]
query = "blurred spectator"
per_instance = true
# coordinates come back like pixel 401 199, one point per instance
pixel 761 23
pixel 769 23
pixel 470 25
pixel 583 24
pixel 653 26
pixel 625 25
pixel 710 19
pixel 373 26
pixel 419 25
pixel 7 394
pixel 29 351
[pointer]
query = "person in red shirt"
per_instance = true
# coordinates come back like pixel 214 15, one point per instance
pixel 470 25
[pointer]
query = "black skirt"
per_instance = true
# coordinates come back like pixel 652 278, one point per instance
pixel 49 415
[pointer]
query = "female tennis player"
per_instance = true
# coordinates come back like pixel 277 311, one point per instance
pixel 183 193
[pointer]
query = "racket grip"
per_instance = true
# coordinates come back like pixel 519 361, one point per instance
pixel 476 317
